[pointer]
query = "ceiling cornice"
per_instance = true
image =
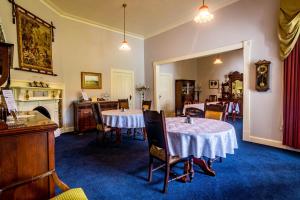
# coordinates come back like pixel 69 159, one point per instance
pixel 177 23
pixel 66 15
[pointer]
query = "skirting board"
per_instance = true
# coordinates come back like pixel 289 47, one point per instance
pixel 268 142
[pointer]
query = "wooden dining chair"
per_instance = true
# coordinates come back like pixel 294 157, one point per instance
pixel 214 111
pixel 123 103
pixel 101 127
pixel 146 105
pixel 67 193
pixel 158 148
pixel 194 112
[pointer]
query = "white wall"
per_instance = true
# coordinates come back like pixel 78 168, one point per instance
pixel 185 69
pixel 240 21
pixel 78 47
pixel 206 70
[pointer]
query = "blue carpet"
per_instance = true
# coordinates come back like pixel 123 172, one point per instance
pixel 108 171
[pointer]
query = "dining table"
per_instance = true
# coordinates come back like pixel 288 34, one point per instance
pixel 201 106
pixel 123 118
pixel 200 138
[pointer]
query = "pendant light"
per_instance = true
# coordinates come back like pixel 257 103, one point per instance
pixel 203 15
pixel 124 46
pixel 218 60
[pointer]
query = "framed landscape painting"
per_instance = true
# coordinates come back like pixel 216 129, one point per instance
pixel 90 80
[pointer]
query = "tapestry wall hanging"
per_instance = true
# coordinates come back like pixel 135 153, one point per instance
pixel 35 37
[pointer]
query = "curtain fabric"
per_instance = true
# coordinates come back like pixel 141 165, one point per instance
pixel 289 26
pixel 291 101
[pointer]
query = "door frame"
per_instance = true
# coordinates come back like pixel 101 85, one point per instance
pixel 172 90
pixel 131 72
pixel 246 47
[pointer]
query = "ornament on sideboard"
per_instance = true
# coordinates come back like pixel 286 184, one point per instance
pixel 38 84
pixel 262 75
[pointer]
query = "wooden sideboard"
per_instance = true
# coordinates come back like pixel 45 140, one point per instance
pixel 27 150
pixel 83 114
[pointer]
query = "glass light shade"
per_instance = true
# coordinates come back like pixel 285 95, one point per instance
pixel 203 15
pixel 218 61
pixel 125 46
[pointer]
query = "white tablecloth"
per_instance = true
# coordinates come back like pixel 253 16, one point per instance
pixel 126 119
pixel 204 137
pixel 201 106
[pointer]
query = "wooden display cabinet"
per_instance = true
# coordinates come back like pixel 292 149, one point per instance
pixel 83 114
pixel 184 91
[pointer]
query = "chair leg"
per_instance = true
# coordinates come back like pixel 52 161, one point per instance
pixel 144 133
pixel 167 174
pixel 150 169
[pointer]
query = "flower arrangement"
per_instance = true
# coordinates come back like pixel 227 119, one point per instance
pixel 142 89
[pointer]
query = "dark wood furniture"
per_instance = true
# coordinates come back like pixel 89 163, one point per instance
pixel 194 112
pixel 101 127
pixel 123 103
pixel 214 111
pixel 146 105
pixel 27 150
pixel 232 90
pixel 158 148
pixel 67 193
pixel 184 92
pixel 83 114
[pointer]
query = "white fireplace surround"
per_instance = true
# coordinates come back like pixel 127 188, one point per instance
pixel 28 98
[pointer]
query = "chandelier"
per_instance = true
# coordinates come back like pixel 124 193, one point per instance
pixel 124 45
pixel 203 15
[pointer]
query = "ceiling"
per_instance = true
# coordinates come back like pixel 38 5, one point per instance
pixel 144 18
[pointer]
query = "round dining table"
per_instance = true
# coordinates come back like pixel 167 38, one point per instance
pixel 201 138
pixel 132 118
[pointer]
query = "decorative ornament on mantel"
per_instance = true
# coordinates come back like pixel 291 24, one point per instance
pixel 124 46
pixel 203 15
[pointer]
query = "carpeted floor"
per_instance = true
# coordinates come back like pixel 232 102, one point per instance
pixel 119 172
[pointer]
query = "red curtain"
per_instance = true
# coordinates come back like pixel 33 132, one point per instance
pixel 291 101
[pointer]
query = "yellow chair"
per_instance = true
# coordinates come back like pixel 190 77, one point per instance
pixel 67 193
pixel 214 111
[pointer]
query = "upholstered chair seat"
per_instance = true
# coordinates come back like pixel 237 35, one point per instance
pixel 71 194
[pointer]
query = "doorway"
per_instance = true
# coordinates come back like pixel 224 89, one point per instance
pixel 122 85
pixel 245 46
pixel 165 94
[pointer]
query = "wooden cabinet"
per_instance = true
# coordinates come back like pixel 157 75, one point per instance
pixel 184 91
pixel 27 150
pixel 83 114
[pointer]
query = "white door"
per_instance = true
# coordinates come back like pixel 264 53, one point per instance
pixel 165 92
pixel 122 85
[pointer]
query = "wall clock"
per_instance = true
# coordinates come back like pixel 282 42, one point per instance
pixel 262 75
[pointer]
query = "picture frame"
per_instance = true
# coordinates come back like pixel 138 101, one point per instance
pixel 213 84
pixel 34 42
pixel 91 80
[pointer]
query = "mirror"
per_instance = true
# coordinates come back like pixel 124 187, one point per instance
pixel 237 89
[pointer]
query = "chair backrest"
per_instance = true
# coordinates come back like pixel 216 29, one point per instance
pixel 146 105
pixel 186 102
pixel 123 103
pixel 156 129
pixel 214 111
pixel 194 112
pixel 212 98
pixel 98 116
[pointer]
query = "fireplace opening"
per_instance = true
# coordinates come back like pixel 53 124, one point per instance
pixel 43 111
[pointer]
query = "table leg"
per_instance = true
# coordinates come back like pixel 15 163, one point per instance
pixel 191 170
pixel 118 136
pixel 204 166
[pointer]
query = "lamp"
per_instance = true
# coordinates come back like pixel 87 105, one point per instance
pixel 124 46
pixel 218 60
pixel 203 15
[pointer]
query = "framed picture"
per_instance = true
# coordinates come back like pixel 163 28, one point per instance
pixel 34 42
pixel 90 80
pixel 213 84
